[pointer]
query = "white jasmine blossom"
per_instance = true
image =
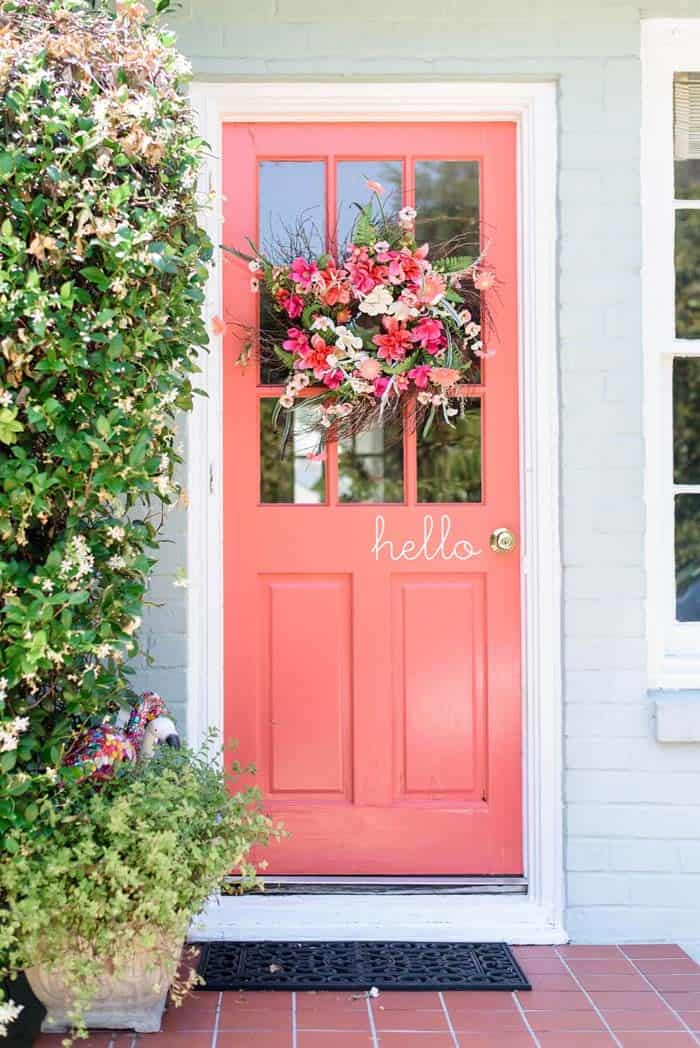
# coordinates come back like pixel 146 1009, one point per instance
pixel 5 398
pixel 10 732
pixel 116 562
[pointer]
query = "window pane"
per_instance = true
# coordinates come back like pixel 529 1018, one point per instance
pixel 449 456
pixel 447 202
pixel 292 217
pixel 686 420
pixel 292 221
pixel 688 274
pixel 370 465
pixel 351 189
pixel 293 472
pixel 686 135
pixel 688 558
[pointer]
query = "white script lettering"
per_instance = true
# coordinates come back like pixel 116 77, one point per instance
pixel 431 548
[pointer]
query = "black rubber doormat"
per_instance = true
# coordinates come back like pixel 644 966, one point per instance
pixel 359 966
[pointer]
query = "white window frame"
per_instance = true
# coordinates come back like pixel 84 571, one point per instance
pixel 538 916
pixel 668 46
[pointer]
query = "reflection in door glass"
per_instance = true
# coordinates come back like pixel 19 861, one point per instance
pixel 352 189
pixel 687 544
pixel 293 472
pixel 370 465
pixel 449 456
pixel 447 202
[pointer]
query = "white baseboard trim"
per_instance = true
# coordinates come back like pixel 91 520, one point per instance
pixel 303 918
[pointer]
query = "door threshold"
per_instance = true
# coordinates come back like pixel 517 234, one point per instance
pixel 307 885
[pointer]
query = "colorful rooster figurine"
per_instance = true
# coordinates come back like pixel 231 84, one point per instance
pixel 148 725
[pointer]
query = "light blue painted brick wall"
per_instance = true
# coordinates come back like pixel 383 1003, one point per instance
pixel 633 806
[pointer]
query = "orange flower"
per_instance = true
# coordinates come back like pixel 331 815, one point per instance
pixel 444 376
pixel 217 326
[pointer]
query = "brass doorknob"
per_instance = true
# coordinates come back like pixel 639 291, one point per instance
pixel 503 540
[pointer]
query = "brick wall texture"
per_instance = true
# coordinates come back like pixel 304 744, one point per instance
pixel 632 804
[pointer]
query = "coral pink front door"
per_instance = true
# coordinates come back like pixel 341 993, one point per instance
pixel 372 636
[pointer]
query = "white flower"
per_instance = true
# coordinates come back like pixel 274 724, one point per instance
pixel 5 398
pixel 116 563
pixel 254 285
pixel 322 323
pixel 332 360
pixel 116 533
pixel 77 561
pixel 254 266
pixel 103 651
pixel 10 732
pixel 377 301
pixel 8 1013
pixel 125 404
pixel 163 485
pixel 300 381
pixel 407 217
pixel 346 341
pixel 402 310
pixel 3 688
pixel 47 585
pixel 51 774
pixel 286 401
pixel 381 246
pixel 132 626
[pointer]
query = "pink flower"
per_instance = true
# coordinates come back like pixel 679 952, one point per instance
pixel 303 272
pixel 430 334
pixel 359 268
pixel 297 341
pixel 396 342
pixel 432 288
pixel 334 378
pixel 401 383
pixel 380 385
pixel 370 368
pixel 315 356
pixel 293 305
pixel 375 187
pixel 420 375
pixel 484 280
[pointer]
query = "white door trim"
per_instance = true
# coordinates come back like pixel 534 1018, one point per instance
pixel 537 917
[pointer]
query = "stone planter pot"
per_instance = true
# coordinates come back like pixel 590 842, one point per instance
pixel 133 1001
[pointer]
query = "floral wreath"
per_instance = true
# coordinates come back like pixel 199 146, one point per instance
pixel 381 328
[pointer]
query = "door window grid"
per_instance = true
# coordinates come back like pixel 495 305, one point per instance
pixel 325 487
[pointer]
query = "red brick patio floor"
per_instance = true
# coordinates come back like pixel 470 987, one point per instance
pixel 582 997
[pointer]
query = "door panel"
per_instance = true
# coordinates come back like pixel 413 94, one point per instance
pixel 372 662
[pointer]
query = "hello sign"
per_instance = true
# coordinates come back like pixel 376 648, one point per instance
pixel 435 543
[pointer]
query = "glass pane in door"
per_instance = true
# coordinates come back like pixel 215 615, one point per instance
pixel 291 470
pixel 449 456
pixel 370 465
pixel 291 221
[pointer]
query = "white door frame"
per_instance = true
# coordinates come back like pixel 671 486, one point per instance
pixel 537 916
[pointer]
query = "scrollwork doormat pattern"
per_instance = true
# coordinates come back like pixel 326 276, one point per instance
pixel 359 966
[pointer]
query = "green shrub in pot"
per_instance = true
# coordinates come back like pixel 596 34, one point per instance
pixel 121 868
